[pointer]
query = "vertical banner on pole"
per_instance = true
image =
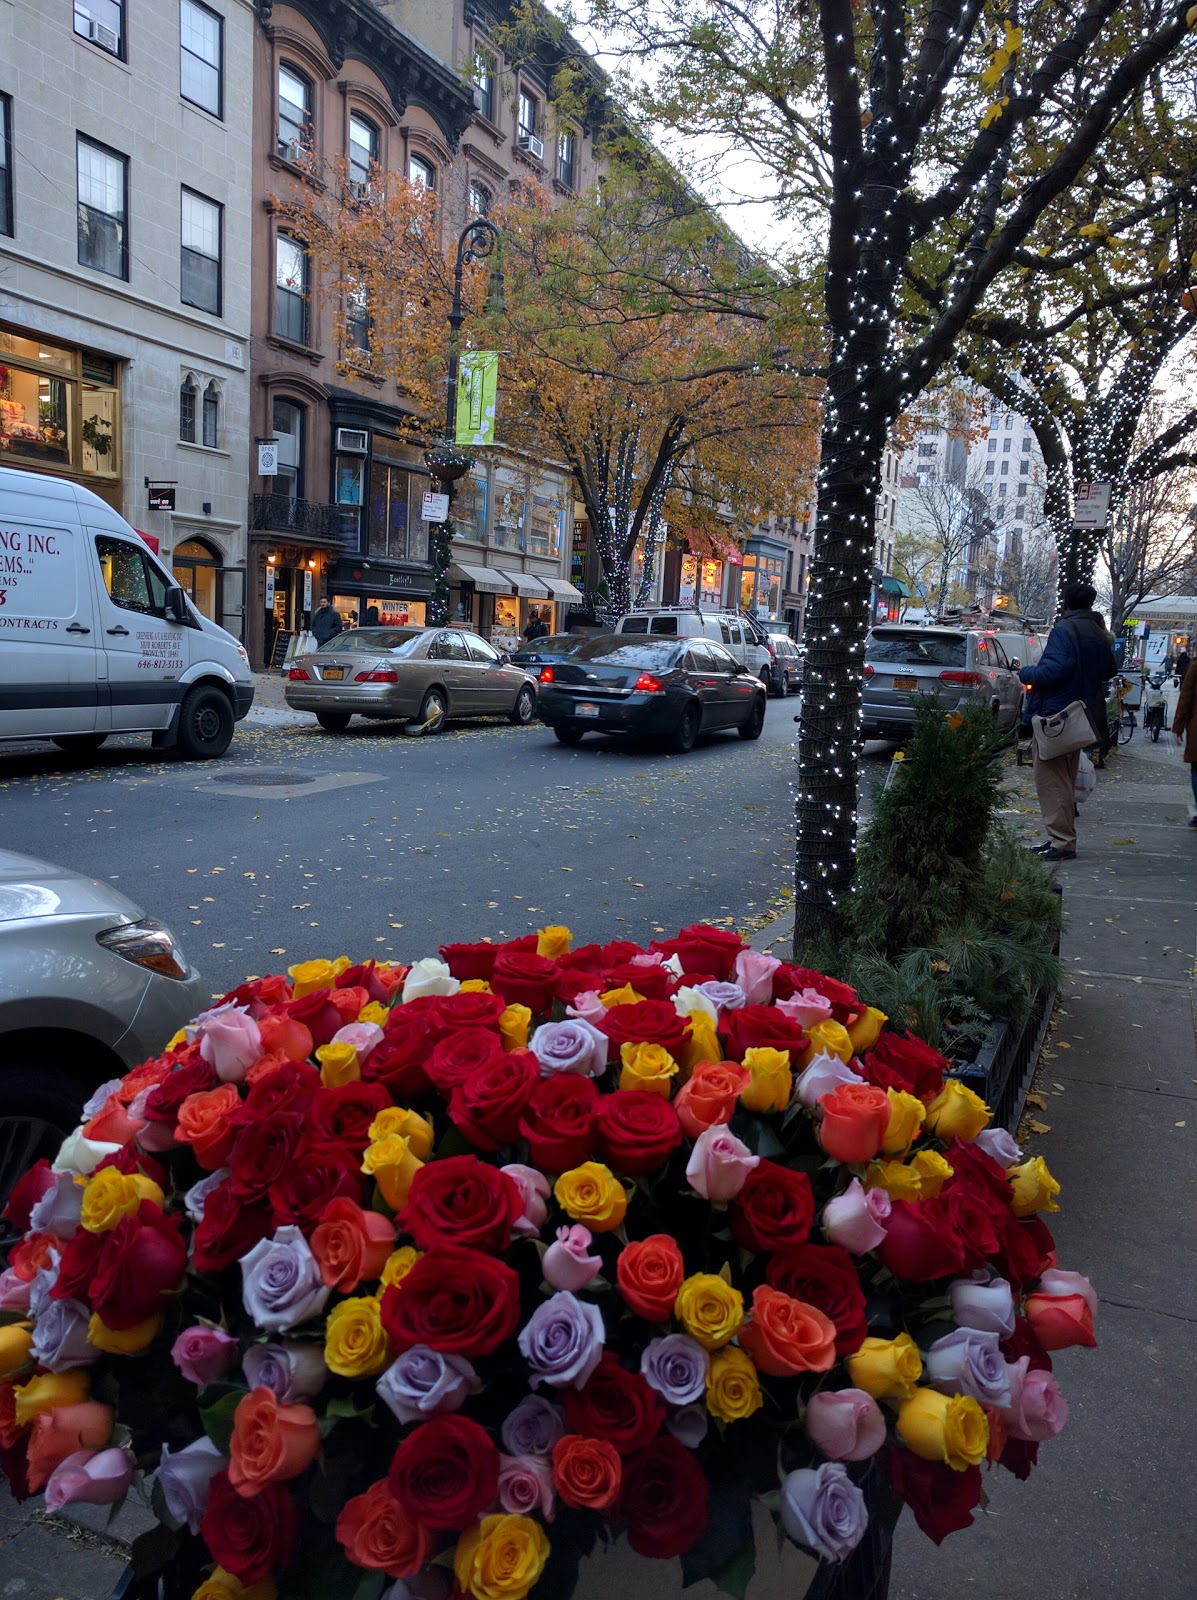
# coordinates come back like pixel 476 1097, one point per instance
pixel 307 590
pixel 477 392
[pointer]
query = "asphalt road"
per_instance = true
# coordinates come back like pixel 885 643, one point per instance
pixel 301 843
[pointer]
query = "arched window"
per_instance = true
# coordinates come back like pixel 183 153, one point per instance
pixel 211 416
pixel 479 200
pixel 188 394
pixel 421 171
pixel 196 568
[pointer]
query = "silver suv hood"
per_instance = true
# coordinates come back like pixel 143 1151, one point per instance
pixel 33 889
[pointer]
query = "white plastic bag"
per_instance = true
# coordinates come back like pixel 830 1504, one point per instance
pixel 1086 779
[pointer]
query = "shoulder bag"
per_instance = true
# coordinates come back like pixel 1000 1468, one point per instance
pixel 1063 731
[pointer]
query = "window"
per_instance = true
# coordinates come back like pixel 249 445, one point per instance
pixel 363 152
pixel 294 113
pixel 1010 419
pixel 392 530
pixel 132 582
pixel 1005 469
pixel 992 446
pixel 201 56
pixel 290 289
pixel 989 469
pixel 529 115
pixel 1022 491
pixel 187 398
pixel 211 416
pixel 1024 468
pixel 59 407
pixel 289 425
pixel 567 146
pixel 200 241
pixel 926 450
pixel 1026 443
pixel 357 320
pixel 6 224
pixel 421 172
pixel 103 22
pixel 103 180
pixel 1007 445
pixel 481 651
pixel 479 200
pixel 484 82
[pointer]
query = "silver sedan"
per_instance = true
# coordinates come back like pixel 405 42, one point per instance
pixel 420 675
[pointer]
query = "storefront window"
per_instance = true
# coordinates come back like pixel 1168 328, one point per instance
pixel 701 580
pixel 544 527
pixel 394 528
pixel 58 407
pixel 760 585
pixel 510 513
pixel 507 612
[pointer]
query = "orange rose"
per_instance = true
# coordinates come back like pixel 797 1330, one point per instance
pixel 111 1124
pixel 854 1121
pixel 203 1123
pixel 586 1472
pixel 287 1034
pixel 378 1534
pixel 57 1434
pixel 350 1244
pixel 709 1098
pixel 349 1003
pixel 270 1442
pixel 785 1336
pixel 650 1273
pixel 265 1065
pixel 146 1076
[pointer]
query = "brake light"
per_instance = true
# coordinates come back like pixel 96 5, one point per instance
pixel 546 674
pixel 770 649
pixel 298 675
pixel 647 684
pixel 967 679
pixel 379 675
pixel 868 670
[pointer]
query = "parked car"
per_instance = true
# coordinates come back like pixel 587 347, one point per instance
pixel 416 674
pixel 89 987
pixel 536 653
pixel 743 636
pixel 668 689
pixel 786 674
pixel 958 666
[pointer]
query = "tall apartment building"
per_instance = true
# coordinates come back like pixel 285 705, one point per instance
pixel 125 267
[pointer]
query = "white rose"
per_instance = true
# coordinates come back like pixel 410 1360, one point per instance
pixel 429 976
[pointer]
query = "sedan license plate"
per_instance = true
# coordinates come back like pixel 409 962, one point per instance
pixel 906 683
pixel 586 708
pixel 333 672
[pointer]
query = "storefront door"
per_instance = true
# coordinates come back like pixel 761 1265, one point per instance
pixel 196 568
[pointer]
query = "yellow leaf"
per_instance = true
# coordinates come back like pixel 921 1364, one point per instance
pixel 994 110
pixel 1038 1127
pixel 1037 1100
pixel 1013 38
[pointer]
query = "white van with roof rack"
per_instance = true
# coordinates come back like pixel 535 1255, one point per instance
pixel 742 635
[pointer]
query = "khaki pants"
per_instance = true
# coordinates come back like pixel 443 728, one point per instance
pixel 1055 780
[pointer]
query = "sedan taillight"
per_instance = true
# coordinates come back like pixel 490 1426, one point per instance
pixel 546 674
pixel 298 675
pixel 966 679
pixel 647 684
pixel 868 670
pixel 379 675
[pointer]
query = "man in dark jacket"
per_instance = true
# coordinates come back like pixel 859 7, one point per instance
pixel 1076 664
pixel 326 624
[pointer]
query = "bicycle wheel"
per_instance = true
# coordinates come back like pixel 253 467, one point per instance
pixel 1127 725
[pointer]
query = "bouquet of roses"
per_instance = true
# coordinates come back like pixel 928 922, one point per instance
pixel 381 1271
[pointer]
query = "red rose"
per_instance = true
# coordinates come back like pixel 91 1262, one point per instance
pixel 77 1266
pixel 317 1013
pixel 162 1104
pixel 845 1002
pixel 982 1174
pixel 487 1107
pixel 446 1473
pixel 615 1405
pixel 559 1122
pixel 972 1216
pixel 1024 1341
pixel 757 1027
pixel 588 958
pixel 141 1261
pixel 26 1192
pixel 462 1201
pixel 1027 1251
pixel 130 1158
pixel 645 1022
pixel 250 1536
pixel 567 986
pixel 637 1131
pixel 264 1151
pixel 904 1063
pixel 232 1224
pixel 320 1172
pixel 1019 1456
pixel 920 1243
pixel 459 1055
pixel 701 949
pixel 259 994
pixel 344 1114
pixel 397 1061
pixel 653 981
pixel 474 1009
pixel 366 976
pixel 469 962
pixel 523 978
pixel 290 1088
pixel 773 1211
pixel 460 1302
pixel 664 1500
pixel 14 1468
pixel 942 1500
pixel 824 1276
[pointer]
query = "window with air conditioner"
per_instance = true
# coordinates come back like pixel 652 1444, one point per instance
pixel 528 124
pixel 352 441
pixel 102 22
pixel 363 152
pixel 201 57
pixel 294 113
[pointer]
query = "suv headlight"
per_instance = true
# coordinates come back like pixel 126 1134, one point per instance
pixel 147 944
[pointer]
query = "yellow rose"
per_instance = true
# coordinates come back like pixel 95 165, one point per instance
pixel 513 1027
pixel 649 1067
pixel 906 1113
pixel 940 1427
pixel 553 941
pixel 374 1011
pixel 625 995
pixel 355 1341
pixel 46 1391
pixel 866 1030
pixel 176 1041
pixel 223 1585
pixel 888 1369
pixel 899 1182
pixel 338 1064
pixel 16 1342
pixel 501 1557
pixel 957 1113
pixel 933 1172
pixel 593 1195
pixel 709 1309
pixel 771 1082
pixel 409 1125
pixel 1034 1187
pixel 733 1389
pixel 703 1043
pixel 827 1038
pixel 392 1163
pixel 308 976
pixel 398 1264
pixel 475 986
pixel 110 1195
pixel 123 1341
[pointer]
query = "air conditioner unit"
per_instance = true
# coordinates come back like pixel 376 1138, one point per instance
pixel 106 38
pixel 533 145
pixel 352 441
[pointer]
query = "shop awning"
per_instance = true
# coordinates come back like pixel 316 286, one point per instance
pixel 562 590
pixel 524 583
pixel 488 579
pixel 891 585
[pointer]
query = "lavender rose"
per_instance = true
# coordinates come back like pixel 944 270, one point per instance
pixel 533 1428
pixel 60 1339
pixel 689 1424
pixel 421 1382
pixel 526 1485
pixel 824 1074
pixel 723 996
pixel 562 1341
pixel 185 1479
pixel 281 1284
pixel 823 1509
pixel 59 1209
pixel 291 1371
pixel 999 1144
pixel 988 1307
pixel 676 1367
pixel 967 1361
pixel 196 1197
pixel 570 1046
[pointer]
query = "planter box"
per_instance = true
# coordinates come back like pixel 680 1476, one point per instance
pixel 1004 1066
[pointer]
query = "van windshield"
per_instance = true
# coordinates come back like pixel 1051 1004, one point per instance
pixel 911 649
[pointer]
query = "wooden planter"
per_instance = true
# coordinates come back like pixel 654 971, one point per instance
pixel 1003 1068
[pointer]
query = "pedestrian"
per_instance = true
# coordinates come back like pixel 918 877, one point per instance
pixel 371 616
pixel 1182 665
pixel 1184 726
pixel 536 628
pixel 1076 664
pixel 326 624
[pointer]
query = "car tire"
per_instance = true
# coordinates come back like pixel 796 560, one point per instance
pixel 568 733
pixel 433 711
pixel 334 721
pixel 79 741
pixel 756 721
pixel 205 724
pixel 41 1107
pixel 686 731
pixel 524 709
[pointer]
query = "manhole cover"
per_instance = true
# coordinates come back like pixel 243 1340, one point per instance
pixel 263 780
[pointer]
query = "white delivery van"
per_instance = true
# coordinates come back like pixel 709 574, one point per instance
pixel 96 637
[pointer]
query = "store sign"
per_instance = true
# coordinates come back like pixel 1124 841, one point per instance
pixel 434 507
pixel 270 588
pixel 307 590
pixel 161 497
pixel 268 459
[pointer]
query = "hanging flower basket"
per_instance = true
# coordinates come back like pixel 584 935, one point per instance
pixel 447 462
pixel 477 1269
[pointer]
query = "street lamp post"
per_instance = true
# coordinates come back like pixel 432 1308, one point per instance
pixel 447 462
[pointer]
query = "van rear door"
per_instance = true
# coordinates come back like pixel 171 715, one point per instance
pixel 146 654
pixel 48 647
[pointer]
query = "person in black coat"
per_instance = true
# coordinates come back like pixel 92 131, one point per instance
pixel 326 623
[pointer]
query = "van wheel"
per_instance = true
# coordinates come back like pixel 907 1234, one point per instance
pixel 205 724
pixel 41 1107
pixel 524 710
pixel 79 741
pixel 756 721
pixel 686 731
pixel 334 721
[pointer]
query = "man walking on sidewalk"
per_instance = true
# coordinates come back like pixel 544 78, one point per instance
pixel 1076 664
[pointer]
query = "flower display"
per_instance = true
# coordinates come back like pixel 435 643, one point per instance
pixel 454 1267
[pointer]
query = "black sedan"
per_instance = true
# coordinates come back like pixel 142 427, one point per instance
pixel 668 689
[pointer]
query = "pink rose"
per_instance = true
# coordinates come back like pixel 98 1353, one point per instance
pixel 855 1219
pixel 96 1477
pixel 14 1291
pixel 718 1165
pixel 534 1192
pixel 566 1264
pixel 1056 1282
pixel 805 1008
pixel 363 1036
pixel 1062 1309
pixel 203 1354
pixel 845 1424
pixel 588 1007
pixel 824 1074
pixel 230 1041
pixel 526 1485
pixel 1038 1410
pixel 153 1136
pixel 754 973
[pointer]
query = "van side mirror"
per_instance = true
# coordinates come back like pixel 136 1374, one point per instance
pixel 1015 663
pixel 174 606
